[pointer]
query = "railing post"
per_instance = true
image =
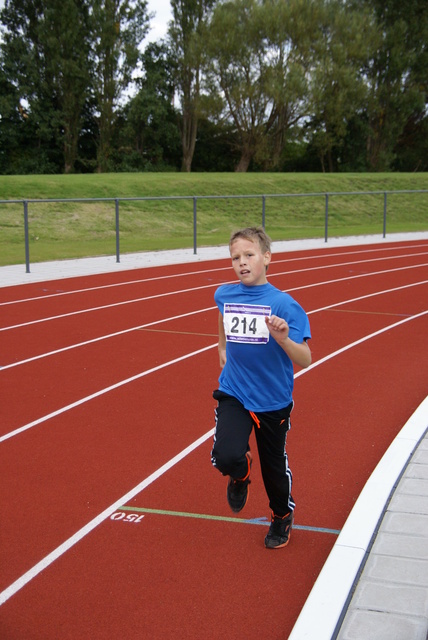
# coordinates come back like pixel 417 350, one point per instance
pixel 195 250
pixel 27 242
pixel 264 212
pixel 117 230
pixel 326 218
pixel 384 215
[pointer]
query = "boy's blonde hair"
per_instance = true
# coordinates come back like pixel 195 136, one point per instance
pixel 253 234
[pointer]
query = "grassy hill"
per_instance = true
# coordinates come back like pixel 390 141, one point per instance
pixel 76 229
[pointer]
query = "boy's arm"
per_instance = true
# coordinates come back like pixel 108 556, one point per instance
pixel 300 354
pixel 221 341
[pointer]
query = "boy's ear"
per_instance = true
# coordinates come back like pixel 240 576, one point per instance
pixel 267 257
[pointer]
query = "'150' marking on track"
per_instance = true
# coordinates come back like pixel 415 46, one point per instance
pixel 126 517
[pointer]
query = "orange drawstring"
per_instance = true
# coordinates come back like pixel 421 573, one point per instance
pixel 255 418
pixel 257 421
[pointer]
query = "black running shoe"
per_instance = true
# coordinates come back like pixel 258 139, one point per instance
pixel 237 490
pixel 279 531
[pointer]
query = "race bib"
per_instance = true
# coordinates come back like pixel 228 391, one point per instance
pixel 246 323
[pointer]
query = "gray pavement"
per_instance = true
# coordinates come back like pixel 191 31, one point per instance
pixel 390 601
pixel 374 584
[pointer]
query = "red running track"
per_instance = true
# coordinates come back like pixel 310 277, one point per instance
pixel 113 523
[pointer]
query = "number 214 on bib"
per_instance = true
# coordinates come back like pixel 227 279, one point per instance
pixel 246 323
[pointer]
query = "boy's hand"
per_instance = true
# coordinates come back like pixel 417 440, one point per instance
pixel 278 328
pixel 300 354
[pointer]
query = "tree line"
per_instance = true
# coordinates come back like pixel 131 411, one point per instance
pixel 238 85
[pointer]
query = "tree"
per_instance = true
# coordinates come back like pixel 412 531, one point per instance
pixel 396 75
pixel 118 27
pixel 65 32
pixel 338 91
pixel 45 52
pixel 290 29
pixel 411 150
pixel 185 39
pixel 259 65
pixel 213 147
pixel 11 125
pixel 237 72
pixel 149 135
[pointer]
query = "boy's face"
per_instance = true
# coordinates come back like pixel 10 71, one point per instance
pixel 249 263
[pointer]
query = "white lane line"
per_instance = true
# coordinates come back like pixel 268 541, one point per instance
pixel 216 284
pixel 97 394
pixel 360 341
pixel 191 313
pixel 368 295
pixel 65 546
pixel 113 285
pixel 203 271
pixel 361 275
pixel 142 374
pixel 106 337
pixel 84 531
pixel 108 306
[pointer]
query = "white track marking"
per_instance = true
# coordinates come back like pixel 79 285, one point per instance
pixel 317 363
pixel 105 337
pixel 361 275
pixel 191 313
pixel 108 306
pixel 202 271
pixel 97 394
pixel 79 535
pixel 112 286
pixel 171 293
pixel 84 531
pixel 367 295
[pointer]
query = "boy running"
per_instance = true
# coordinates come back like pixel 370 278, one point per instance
pixel 262 332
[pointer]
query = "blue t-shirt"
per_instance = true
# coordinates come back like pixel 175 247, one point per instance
pixel 258 372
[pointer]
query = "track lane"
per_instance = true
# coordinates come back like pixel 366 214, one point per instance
pixel 25 338
pixel 75 426
pixel 200 597
pixel 233 539
pixel 78 460
pixel 111 280
pixel 15 314
pixel 82 370
pixel 68 375
pixel 204 541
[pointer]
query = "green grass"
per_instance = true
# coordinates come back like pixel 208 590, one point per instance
pixel 78 229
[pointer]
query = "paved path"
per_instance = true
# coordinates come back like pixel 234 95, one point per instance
pixel 391 598
pixel 16 274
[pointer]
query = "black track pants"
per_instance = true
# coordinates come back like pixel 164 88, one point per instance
pixel 233 428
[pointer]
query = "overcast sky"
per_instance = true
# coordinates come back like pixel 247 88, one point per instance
pixel 159 24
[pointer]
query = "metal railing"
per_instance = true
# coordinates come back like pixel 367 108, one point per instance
pixel 327 197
